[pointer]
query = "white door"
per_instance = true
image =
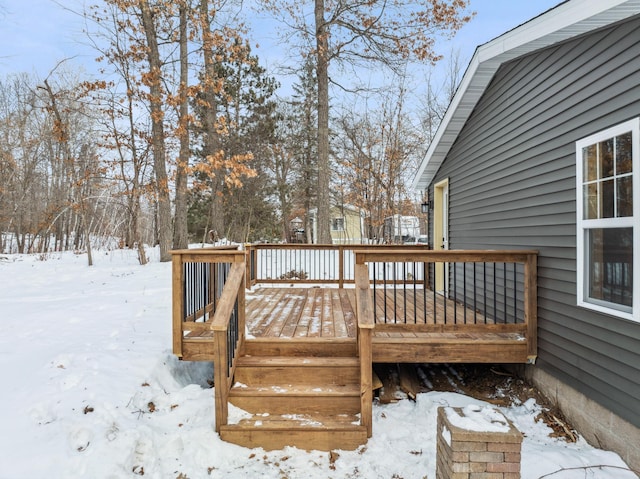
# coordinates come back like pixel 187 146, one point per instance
pixel 441 232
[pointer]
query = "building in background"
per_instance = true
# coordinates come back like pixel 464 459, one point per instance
pixel 347 225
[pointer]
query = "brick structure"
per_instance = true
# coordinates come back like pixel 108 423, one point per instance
pixel 466 453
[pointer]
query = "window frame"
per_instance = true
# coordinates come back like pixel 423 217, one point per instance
pixel 584 225
pixel 334 223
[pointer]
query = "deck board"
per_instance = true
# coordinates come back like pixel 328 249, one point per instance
pixel 329 313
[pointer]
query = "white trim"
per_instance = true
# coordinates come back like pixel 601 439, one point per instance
pixel 568 20
pixel 582 225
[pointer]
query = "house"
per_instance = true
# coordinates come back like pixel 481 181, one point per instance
pixel 540 149
pixel 347 225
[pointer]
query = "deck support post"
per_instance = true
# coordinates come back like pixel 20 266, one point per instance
pixel 531 304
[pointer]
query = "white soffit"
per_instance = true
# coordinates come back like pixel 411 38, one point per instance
pixel 567 20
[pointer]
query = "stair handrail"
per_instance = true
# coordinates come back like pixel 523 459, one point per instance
pixel 217 308
pixel 225 347
pixel 366 324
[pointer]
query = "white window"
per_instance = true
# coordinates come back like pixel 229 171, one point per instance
pixel 337 224
pixel 608 215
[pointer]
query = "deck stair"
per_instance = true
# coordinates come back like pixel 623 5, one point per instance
pixel 297 395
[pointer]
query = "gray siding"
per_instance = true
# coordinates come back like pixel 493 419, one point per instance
pixel 512 186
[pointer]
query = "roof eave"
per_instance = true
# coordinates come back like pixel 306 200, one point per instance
pixel 567 20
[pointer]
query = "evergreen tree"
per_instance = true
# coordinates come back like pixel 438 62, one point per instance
pixel 246 117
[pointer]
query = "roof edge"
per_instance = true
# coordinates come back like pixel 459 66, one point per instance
pixel 563 22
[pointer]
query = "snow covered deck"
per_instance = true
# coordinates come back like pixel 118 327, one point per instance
pixel 300 328
pixel 330 314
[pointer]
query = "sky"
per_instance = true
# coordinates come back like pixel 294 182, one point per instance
pixel 37 34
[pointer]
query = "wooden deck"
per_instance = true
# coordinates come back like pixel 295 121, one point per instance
pixel 301 313
pixel 309 350
pixel 329 314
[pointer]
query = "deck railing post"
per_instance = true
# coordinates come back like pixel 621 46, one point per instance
pixel 341 266
pixel 365 345
pixel 247 273
pixel 365 323
pixel 220 371
pixel 531 304
pixel 241 314
pixel 177 286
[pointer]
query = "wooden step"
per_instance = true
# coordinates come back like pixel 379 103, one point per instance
pixel 286 370
pixel 200 347
pixel 303 393
pixel 297 399
pixel 317 347
pixel 310 432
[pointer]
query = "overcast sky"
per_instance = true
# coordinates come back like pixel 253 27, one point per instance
pixel 36 34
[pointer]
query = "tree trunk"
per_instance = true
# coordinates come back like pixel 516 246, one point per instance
pixel 210 136
pixel 180 236
pixel 76 195
pixel 87 236
pixel 157 133
pixel 324 173
pixel 136 236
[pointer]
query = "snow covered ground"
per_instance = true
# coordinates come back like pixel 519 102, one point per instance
pixel 90 389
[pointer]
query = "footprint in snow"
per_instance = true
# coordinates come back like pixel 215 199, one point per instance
pixel 80 439
pixel 42 413
pixel 143 457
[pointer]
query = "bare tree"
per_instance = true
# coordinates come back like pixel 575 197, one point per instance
pixel 440 90
pixel 125 134
pixel 211 83
pixel 150 20
pixel 23 132
pixel 379 151
pixel 158 35
pixel 50 175
pixel 180 233
pixel 81 178
pixel 362 33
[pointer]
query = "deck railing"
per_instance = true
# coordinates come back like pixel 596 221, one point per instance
pixel 300 263
pixel 305 263
pixel 439 291
pixel 209 300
